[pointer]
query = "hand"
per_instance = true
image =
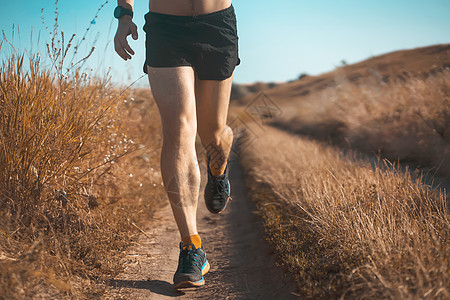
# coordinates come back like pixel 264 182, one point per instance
pixel 125 28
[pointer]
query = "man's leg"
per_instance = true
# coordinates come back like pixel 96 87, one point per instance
pixel 213 98
pixel 173 90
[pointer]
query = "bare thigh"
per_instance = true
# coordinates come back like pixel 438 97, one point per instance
pixel 212 99
pixel 174 93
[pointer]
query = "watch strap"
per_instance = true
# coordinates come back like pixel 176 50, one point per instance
pixel 121 11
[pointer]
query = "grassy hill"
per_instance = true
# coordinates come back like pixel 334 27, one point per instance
pixel 394 105
pixel 400 64
pixel 345 225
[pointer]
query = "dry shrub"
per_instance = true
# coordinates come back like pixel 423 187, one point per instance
pixel 346 228
pixel 69 196
pixel 404 119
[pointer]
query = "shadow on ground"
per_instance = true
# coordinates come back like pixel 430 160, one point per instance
pixel 155 286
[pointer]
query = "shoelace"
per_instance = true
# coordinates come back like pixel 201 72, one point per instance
pixel 221 186
pixel 189 260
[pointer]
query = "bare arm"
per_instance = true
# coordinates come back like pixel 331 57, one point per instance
pixel 125 28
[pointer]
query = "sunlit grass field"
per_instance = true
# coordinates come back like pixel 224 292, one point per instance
pixel 348 225
pixel 79 163
pixel 405 119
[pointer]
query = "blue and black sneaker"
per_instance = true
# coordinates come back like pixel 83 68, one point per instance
pixel 192 265
pixel 217 190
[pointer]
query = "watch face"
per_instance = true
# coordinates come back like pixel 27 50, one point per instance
pixel 117 12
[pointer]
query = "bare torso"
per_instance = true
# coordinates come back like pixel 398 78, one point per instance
pixel 187 7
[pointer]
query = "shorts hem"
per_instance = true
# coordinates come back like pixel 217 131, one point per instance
pixel 165 66
pixel 216 78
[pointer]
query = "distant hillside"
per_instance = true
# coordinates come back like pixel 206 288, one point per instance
pixel 239 91
pixel 401 64
pixel 395 105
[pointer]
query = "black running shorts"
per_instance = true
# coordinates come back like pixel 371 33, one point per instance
pixel 208 43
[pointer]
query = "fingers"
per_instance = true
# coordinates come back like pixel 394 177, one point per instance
pixel 120 50
pixel 134 32
pixel 127 47
pixel 121 45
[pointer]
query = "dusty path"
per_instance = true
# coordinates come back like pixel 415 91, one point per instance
pixel 241 264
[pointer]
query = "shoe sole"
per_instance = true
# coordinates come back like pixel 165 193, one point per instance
pixel 188 284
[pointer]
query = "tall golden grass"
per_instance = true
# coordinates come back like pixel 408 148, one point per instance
pixel 72 182
pixel 404 119
pixel 344 228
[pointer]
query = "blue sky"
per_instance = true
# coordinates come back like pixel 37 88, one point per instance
pixel 278 39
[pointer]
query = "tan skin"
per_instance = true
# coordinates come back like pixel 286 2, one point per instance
pixel 187 106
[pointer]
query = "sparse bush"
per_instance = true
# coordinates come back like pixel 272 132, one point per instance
pixel 302 75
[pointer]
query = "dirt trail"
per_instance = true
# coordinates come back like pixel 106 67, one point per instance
pixel 241 264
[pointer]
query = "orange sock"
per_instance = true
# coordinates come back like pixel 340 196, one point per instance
pixel 214 171
pixel 218 172
pixel 192 239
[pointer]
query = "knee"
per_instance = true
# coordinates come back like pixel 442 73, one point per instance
pixel 178 129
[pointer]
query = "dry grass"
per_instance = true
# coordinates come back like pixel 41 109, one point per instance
pixel 404 119
pixel 345 228
pixel 72 181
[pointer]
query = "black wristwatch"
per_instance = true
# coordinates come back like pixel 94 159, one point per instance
pixel 122 11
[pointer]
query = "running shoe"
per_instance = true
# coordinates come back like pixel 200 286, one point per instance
pixel 192 265
pixel 217 190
